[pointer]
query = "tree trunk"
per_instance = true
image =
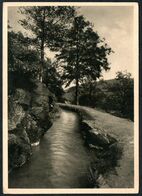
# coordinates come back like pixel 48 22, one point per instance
pixel 76 91
pixel 42 63
pixel 90 91
pixel 77 68
pixel 90 94
pixel 42 48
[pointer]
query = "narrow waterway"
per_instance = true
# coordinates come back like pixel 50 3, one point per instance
pixel 60 161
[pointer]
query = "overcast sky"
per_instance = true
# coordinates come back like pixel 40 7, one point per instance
pixel 114 23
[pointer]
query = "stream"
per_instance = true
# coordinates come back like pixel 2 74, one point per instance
pixel 60 161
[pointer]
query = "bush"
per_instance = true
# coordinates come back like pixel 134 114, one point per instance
pixel 18 79
pixel 85 100
pixel 115 96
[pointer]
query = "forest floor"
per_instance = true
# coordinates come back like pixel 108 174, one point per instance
pixel 121 129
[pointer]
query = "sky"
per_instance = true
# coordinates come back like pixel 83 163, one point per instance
pixel 114 23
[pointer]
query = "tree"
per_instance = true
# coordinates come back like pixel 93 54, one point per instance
pixel 52 79
pixel 124 93
pixel 22 61
pixel 83 54
pixel 47 25
pixel 20 54
pixel 88 90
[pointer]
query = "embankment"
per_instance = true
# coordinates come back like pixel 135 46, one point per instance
pixel 30 115
pixel 110 140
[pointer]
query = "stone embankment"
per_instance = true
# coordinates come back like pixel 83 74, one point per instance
pixel 30 115
pixel 110 140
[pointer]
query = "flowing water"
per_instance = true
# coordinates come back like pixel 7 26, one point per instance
pixel 60 161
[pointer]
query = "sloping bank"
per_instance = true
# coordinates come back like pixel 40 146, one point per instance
pixel 110 140
pixel 31 113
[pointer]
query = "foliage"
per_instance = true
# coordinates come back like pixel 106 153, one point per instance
pixel 47 24
pixel 52 79
pixel 123 91
pixel 17 79
pixel 115 96
pixel 23 66
pixel 21 56
pixel 83 54
pixel 23 62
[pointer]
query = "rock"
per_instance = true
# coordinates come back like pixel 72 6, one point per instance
pixel 102 182
pixel 35 143
pixel 95 136
pixel 22 97
pixel 30 115
pixel 21 133
pixel 12 138
pixel 42 106
pixel 17 103
pixel 39 113
pixel 40 89
pixel 95 147
pixel 41 96
pixel 15 114
pixel 39 100
pixel 115 150
pixel 33 131
pixel 19 150
pixel 99 137
pixel 42 116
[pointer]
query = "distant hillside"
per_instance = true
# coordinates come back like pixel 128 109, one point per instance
pixel 69 94
pixel 113 96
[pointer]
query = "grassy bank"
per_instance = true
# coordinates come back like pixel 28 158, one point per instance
pixel 115 167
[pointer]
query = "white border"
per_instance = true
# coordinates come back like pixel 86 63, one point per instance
pixel 5 104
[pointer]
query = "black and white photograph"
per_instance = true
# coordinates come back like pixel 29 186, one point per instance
pixel 70 87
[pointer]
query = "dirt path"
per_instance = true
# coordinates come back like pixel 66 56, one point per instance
pixel 123 131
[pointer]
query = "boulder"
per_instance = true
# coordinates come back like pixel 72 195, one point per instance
pixel 41 96
pixel 30 115
pixel 17 104
pixel 19 150
pixel 15 114
pixel 40 100
pixel 42 117
pixel 33 131
pixel 42 106
pixel 39 113
pixel 21 133
pixel 22 97
pixel 40 89
pixel 95 136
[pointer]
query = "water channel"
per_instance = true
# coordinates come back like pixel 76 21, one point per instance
pixel 60 161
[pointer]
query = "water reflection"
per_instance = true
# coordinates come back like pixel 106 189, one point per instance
pixel 60 161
